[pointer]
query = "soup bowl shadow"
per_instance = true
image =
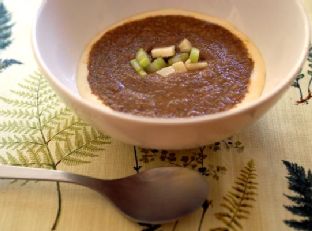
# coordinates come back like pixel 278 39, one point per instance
pixel 63 28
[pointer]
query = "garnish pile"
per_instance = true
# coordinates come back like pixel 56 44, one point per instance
pixel 166 60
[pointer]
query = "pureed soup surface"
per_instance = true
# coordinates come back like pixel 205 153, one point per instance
pixel 235 72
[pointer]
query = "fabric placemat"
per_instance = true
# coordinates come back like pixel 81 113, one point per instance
pixel 259 179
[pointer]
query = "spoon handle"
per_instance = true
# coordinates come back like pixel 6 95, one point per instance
pixel 25 173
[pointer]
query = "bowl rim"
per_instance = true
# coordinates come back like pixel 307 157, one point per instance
pixel 175 121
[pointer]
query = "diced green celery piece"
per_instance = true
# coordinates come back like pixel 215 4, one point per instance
pixel 141 53
pixel 142 73
pixel 182 57
pixel 136 66
pixel 173 60
pixel 143 58
pixel 194 56
pixel 160 63
pixel 156 65
pixel 144 62
pixel 152 68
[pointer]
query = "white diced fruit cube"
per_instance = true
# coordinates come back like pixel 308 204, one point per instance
pixel 166 71
pixel 164 52
pixel 196 66
pixel 185 46
pixel 179 67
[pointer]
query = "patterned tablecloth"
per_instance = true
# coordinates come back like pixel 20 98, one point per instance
pixel 259 179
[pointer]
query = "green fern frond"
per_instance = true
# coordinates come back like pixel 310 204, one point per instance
pixel 45 93
pixel 237 202
pixel 100 142
pixel 51 119
pixel 48 105
pixel 43 133
pixel 28 87
pixel 65 128
pixel 31 81
pixel 79 142
pixel 18 103
pixel 44 85
pixel 98 137
pixel 5 33
pixel 300 183
pixel 59 152
pixel 18 114
pixel 73 161
pixel 21 127
pixel 68 147
pixel 95 148
pixel 38 122
pixel 5 27
pixel 11 159
pixel 25 94
pixel 44 153
pixel 35 157
pixel 15 142
pixel 21 160
pixel 86 144
pixel 61 137
pixel 3 160
pixel 5 63
pixel 85 154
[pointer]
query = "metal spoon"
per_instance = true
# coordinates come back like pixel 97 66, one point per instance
pixel 154 196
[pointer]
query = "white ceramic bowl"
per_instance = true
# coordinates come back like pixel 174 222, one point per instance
pixel 279 28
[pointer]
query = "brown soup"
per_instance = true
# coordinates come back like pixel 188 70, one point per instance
pixel 235 71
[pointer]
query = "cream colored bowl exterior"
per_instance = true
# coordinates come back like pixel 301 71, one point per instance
pixel 63 28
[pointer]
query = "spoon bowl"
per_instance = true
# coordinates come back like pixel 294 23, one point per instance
pixel 159 195
pixel 154 196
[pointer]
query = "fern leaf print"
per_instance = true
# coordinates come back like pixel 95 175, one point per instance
pixel 5 27
pixel 35 121
pixel 305 95
pixel 5 36
pixel 238 201
pixel 300 183
pixel 7 63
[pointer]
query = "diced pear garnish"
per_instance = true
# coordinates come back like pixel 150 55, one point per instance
pixel 196 66
pixel 185 45
pixel 166 71
pixel 179 67
pixel 164 52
